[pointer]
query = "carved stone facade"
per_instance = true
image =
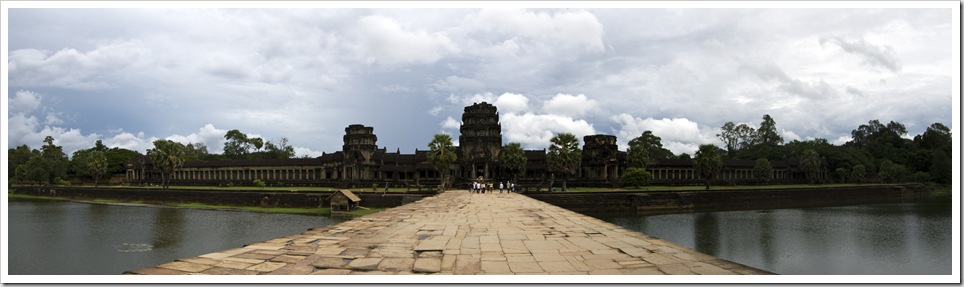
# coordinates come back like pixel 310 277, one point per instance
pixel 480 141
pixel 361 163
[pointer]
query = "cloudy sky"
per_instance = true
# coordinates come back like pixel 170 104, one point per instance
pixel 130 76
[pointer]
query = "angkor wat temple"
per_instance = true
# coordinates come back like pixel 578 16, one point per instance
pixel 361 163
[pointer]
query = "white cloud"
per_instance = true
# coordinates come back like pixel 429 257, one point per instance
pixel 874 55
pixel 435 111
pixel 384 40
pixel 303 151
pixel 512 103
pixel 126 140
pixel 72 69
pixel 451 123
pixel 24 101
pixel 534 131
pixel 567 28
pixel 565 104
pixel 210 136
pixel 789 136
pixel 679 135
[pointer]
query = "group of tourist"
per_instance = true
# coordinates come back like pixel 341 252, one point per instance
pixel 482 187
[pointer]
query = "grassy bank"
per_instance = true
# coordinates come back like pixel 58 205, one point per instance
pixel 321 211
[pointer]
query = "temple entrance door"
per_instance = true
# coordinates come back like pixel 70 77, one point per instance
pixel 480 171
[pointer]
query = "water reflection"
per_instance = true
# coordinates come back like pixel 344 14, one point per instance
pixel 62 237
pixel 900 238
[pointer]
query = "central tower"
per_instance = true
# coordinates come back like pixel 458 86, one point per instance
pixel 480 140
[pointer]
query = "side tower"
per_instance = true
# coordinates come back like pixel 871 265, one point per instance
pixel 359 149
pixel 599 158
pixel 480 140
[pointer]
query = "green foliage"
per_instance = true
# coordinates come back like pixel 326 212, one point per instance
pixel 167 156
pixel 653 146
pixel 763 170
pixel 842 174
pixel 513 158
pixel 890 172
pixel 637 155
pixel 941 170
pixel 97 165
pixel 635 177
pixel 708 162
pixel 920 177
pixel 442 155
pixel 810 164
pixel 53 160
pixel 195 152
pixel 858 173
pixel 61 182
pixel 564 155
pixel 259 183
pixel 767 134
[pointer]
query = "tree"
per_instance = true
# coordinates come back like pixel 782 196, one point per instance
pixel 746 137
pixel 238 145
pixel 442 155
pixel 937 136
pixel 767 134
pixel 53 160
pixel 167 156
pixel 35 170
pixel 941 168
pixel 637 155
pixel 858 173
pixel 564 156
pixel 281 150
pixel 654 146
pixel 810 164
pixel 708 163
pixel 96 165
pixel 635 177
pixel 763 170
pixel 891 172
pixel 513 158
pixel 842 174
pixel 195 151
pixel 729 138
pixel 19 156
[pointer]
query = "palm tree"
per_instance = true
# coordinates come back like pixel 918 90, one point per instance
pixel 167 156
pixel 513 158
pixel 564 156
pixel 708 163
pixel 442 155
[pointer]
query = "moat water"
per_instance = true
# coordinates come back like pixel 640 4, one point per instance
pixel 911 238
pixel 63 237
pixel 73 238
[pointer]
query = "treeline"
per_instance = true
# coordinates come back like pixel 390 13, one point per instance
pixel 876 151
pixel 50 165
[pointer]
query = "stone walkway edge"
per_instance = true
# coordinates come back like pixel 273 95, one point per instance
pixel 461 233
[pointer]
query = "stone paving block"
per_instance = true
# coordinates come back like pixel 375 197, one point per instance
pixel 293 270
pixel 228 271
pixel 332 251
pixel 578 264
pixel 544 257
pixel 437 243
pixel 658 259
pixel 255 256
pixel 185 266
pixel 331 272
pixel 489 239
pixel 364 263
pixel 215 255
pixel 542 245
pixel 635 251
pixel 396 264
pixel 525 267
pixel 707 269
pixel 490 247
pixel 495 267
pixel 427 265
pixel 245 260
pixel 606 272
pixel 557 266
pixel 602 264
pixel 233 264
pixel 520 258
pixel 201 260
pixel 448 261
pixel 330 262
pixel 466 264
pixel 288 258
pixel 643 271
pixel 675 269
pixel 266 266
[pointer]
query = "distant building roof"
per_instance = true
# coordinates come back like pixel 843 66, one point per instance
pixel 350 195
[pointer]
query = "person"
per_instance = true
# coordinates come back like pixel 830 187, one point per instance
pixel 500 187
pixel 512 187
